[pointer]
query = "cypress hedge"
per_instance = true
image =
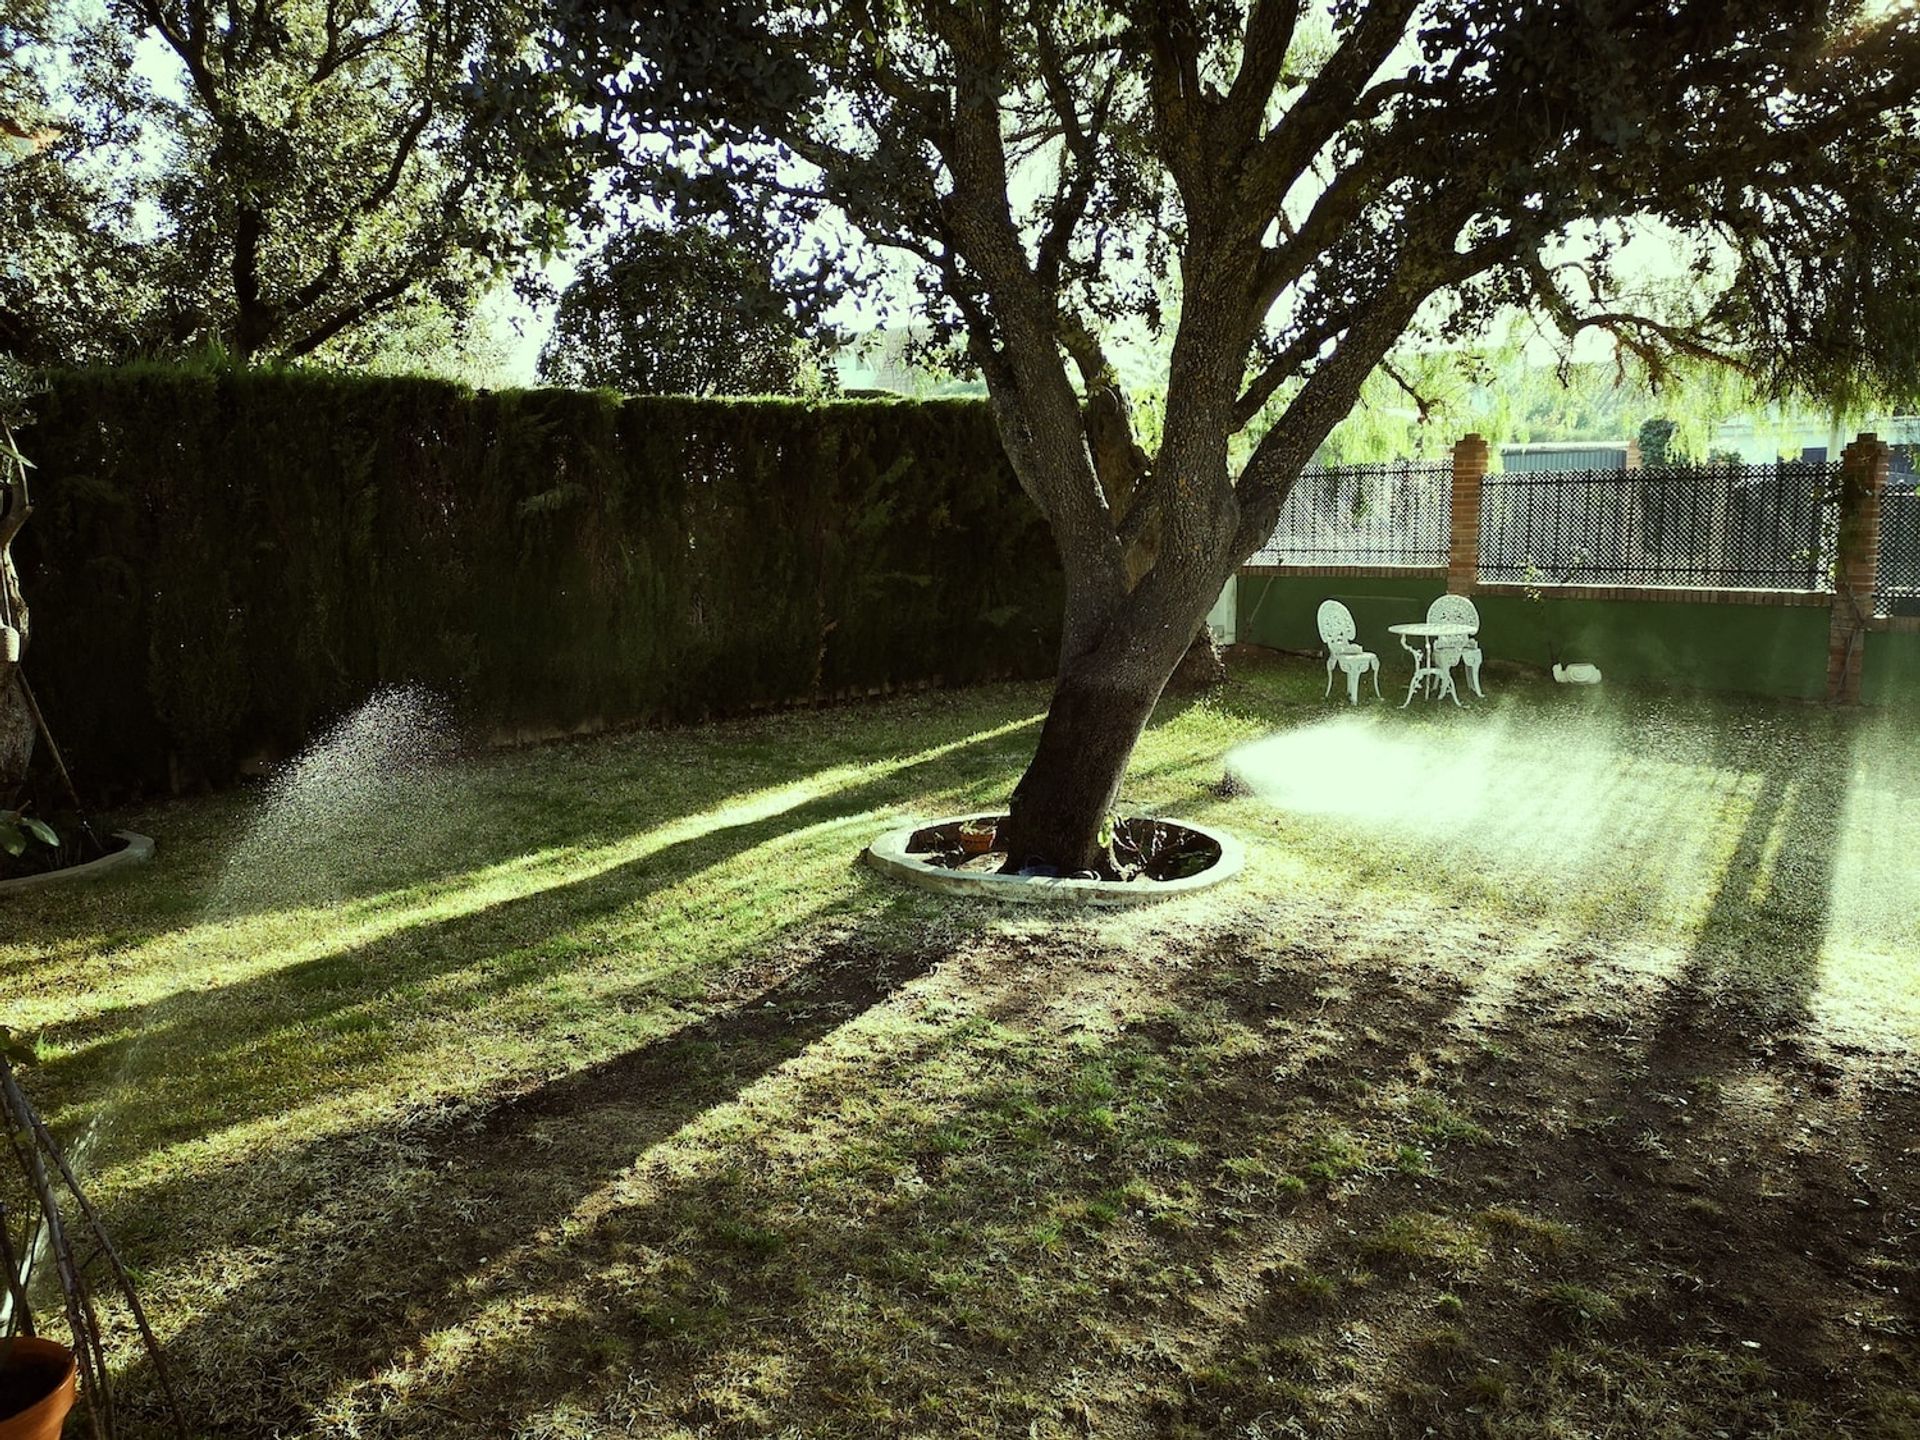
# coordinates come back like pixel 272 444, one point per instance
pixel 221 563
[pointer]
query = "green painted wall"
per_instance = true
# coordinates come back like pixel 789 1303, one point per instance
pixel 1892 672
pixel 1753 649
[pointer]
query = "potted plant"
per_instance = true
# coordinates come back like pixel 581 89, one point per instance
pixel 39 1381
pixel 977 836
pixel 44 1221
pixel 38 1377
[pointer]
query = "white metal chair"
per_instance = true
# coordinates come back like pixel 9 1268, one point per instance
pixel 1336 633
pixel 1447 653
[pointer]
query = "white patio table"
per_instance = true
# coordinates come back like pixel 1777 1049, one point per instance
pixel 1424 668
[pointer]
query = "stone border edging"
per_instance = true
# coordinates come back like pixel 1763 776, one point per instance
pixel 137 851
pixel 890 856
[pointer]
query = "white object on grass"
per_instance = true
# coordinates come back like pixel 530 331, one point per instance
pixel 1457 610
pixel 1576 674
pixel 1336 633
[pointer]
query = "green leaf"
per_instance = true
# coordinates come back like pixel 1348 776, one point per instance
pixel 40 830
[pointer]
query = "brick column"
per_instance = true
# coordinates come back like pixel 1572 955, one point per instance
pixel 1863 480
pixel 1463 546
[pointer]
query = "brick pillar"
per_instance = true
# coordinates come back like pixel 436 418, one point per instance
pixel 1863 480
pixel 1463 546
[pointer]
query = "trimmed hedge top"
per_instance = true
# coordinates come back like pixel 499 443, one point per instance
pixel 219 564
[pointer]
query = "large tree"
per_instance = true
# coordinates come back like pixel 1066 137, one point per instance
pixel 72 283
pixel 1312 184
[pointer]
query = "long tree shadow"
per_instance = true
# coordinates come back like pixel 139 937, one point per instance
pixel 996 1223
pixel 1755 960
pixel 1281 1188
pixel 411 1253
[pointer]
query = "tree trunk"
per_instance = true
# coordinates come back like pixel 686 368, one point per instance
pixel 1073 782
pixel 16 739
pixel 1101 704
pixel 1201 668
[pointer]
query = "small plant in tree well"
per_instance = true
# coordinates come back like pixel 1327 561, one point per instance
pixel 1286 193
pixel 18 830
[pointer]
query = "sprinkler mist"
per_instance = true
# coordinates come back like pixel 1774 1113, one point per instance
pixel 366 793
pixel 1523 794
pixel 369 792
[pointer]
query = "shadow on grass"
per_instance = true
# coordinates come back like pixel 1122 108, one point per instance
pixel 1275 1191
pixel 474 812
pixel 1599 1234
pixel 198 1061
pixel 384 1236
pixel 1754 964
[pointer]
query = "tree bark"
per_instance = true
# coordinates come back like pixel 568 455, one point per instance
pixel 1201 668
pixel 1102 701
pixel 16 720
pixel 1072 783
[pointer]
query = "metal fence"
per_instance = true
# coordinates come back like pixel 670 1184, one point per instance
pixel 1763 527
pixel 1388 514
pixel 1896 589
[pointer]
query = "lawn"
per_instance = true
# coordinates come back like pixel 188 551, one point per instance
pixel 1550 1073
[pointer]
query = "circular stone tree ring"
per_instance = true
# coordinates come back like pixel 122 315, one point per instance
pixel 912 853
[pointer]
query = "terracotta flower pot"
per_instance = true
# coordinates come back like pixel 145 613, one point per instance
pixel 38 1382
pixel 978 841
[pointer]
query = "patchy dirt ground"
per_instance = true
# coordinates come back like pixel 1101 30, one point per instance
pixel 1350 1152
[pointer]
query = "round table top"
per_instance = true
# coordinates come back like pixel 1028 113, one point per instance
pixel 1434 629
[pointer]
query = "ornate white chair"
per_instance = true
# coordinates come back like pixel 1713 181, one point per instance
pixel 1447 653
pixel 1336 633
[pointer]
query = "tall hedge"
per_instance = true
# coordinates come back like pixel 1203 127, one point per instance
pixel 219 564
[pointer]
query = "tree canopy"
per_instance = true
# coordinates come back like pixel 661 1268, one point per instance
pixel 1313 185
pixel 676 312
pixel 274 175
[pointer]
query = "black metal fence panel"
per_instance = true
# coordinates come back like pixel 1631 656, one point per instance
pixel 1896 589
pixel 1721 527
pixel 1395 513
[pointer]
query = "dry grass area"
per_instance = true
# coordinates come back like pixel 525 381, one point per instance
pixel 1551 1073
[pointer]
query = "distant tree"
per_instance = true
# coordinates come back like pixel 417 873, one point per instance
pixel 1656 442
pixel 73 285
pixel 676 312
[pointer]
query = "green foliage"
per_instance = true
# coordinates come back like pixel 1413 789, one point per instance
pixel 71 283
pixel 283 178
pixel 675 312
pixel 17 831
pixel 223 561
pixel 1656 442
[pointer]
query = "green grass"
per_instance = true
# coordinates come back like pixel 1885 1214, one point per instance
pixel 596 1090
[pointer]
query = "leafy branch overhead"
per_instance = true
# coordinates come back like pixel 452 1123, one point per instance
pixel 1322 178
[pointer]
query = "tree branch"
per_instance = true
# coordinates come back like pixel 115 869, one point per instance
pixel 1327 106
